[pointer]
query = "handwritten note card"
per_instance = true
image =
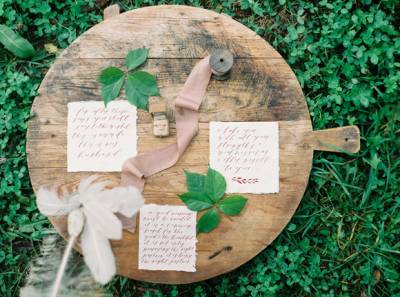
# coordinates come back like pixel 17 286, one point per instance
pixel 99 138
pixel 167 238
pixel 247 154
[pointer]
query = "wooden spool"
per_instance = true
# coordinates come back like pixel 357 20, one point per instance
pixel 261 87
pixel 221 62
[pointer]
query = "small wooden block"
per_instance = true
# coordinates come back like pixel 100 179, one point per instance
pixel 157 107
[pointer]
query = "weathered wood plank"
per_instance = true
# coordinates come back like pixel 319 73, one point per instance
pixel 178 32
pixel 275 93
pixel 291 135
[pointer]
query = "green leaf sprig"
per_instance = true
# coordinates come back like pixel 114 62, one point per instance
pixel 206 192
pixel 15 43
pixel 139 85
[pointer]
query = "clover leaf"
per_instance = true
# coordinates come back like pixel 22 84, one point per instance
pixel 139 85
pixel 205 192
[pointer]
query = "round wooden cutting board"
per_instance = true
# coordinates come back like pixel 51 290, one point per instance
pixel 262 87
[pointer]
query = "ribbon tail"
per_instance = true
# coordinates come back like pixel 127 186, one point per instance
pixel 128 224
pixel 136 169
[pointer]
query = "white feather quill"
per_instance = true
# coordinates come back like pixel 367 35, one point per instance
pixel 77 281
pixel 100 222
pixel 75 226
pixel 98 255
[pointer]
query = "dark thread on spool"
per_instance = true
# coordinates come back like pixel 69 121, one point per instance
pixel 221 62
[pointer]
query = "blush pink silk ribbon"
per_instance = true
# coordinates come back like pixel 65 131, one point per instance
pixel 136 169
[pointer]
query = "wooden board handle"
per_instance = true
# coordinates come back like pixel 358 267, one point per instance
pixel 111 11
pixel 342 139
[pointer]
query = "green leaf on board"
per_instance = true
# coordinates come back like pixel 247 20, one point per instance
pixel 136 58
pixel 209 221
pixel 133 94
pixel 139 84
pixel 110 92
pixel 232 205
pixel 207 191
pixel 110 75
pixel 215 184
pixel 194 181
pixel 196 201
pixel 15 43
pixel 111 80
pixel 144 82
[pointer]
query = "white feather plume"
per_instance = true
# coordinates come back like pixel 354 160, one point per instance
pixel 89 189
pixel 124 200
pixel 99 206
pixel 86 182
pixel 102 220
pixel 98 255
pixel 50 204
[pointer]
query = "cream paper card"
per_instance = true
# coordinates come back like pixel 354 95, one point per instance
pixel 100 138
pixel 167 238
pixel 247 154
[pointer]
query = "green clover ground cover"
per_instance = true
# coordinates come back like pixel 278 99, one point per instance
pixel 345 237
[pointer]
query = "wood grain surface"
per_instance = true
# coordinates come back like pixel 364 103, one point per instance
pixel 262 87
